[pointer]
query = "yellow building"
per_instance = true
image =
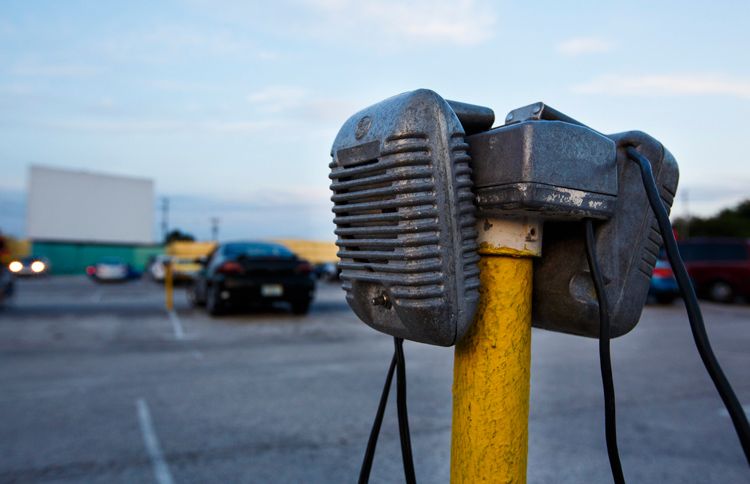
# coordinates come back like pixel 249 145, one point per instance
pixel 15 249
pixel 314 251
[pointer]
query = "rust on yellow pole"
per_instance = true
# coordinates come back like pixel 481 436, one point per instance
pixel 168 285
pixel 492 362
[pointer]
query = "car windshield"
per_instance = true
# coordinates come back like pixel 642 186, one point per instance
pixel 255 249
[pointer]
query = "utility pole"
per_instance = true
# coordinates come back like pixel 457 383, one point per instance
pixel 215 228
pixel 686 197
pixel 164 218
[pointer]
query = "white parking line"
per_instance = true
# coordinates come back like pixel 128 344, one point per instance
pixel 161 469
pixel 179 333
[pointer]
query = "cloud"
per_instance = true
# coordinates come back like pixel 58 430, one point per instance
pixel 12 211
pixel 266 197
pixel 53 70
pixel 293 212
pixel 7 28
pixel 176 38
pixel 666 85
pixel 181 85
pixel 237 126
pixel 462 22
pixel 274 107
pixel 268 55
pixel 275 99
pixel 154 126
pixel 710 192
pixel 300 104
pixel 168 43
pixel 334 111
pixel 17 89
pixel 584 45
pixel 708 198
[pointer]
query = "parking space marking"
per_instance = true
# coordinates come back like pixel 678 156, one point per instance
pixel 179 333
pixel 161 469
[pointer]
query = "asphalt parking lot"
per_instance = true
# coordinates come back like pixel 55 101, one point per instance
pixel 100 384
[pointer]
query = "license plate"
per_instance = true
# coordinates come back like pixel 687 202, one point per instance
pixel 271 290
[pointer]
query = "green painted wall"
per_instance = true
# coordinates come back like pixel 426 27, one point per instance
pixel 73 258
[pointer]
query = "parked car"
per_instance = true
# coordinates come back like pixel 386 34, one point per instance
pixel 663 286
pixel 111 269
pixel 29 266
pixel 719 267
pixel 6 284
pixel 253 272
pixel 327 271
pixel 183 268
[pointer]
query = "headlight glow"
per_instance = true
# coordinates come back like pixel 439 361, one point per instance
pixel 15 266
pixel 37 266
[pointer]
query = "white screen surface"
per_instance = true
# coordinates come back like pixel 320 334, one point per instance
pixel 78 206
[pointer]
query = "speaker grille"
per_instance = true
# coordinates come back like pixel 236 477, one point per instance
pixel 404 213
pixel 466 210
pixel 387 220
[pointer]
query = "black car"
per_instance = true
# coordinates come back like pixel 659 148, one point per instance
pixel 6 283
pixel 240 273
pixel 29 266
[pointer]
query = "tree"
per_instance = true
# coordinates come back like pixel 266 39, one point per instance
pixel 177 235
pixel 730 222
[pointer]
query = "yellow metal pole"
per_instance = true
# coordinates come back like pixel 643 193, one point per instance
pixel 492 363
pixel 168 285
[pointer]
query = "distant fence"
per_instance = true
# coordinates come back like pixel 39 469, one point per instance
pixel 72 258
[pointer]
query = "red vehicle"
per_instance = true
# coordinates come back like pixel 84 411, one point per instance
pixel 719 267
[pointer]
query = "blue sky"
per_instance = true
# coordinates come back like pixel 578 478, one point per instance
pixel 231 107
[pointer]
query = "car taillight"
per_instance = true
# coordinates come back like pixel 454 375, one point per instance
pixel 230 267
pixel 663 272
pixel 303 268
pixel 91 270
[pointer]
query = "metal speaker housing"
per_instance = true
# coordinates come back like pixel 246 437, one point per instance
pixel 627 248
pixel 405 218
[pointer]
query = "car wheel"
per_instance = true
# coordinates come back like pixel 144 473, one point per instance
pixel 214 304
pixel 301 307
pixel 665 298
pixel 192 295
pixel 721 291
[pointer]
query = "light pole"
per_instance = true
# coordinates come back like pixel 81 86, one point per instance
pixel 164 218
pixel 215 228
